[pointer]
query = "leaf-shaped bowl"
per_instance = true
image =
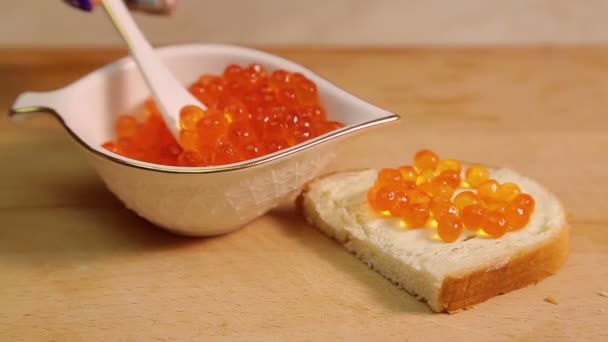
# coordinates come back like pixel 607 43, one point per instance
pixel 197 201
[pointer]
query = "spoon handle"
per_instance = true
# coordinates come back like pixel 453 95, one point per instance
pixel 169 94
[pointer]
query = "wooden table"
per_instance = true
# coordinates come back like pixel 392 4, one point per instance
pixel 76 265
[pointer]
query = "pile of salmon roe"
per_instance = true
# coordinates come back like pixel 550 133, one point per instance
pixel 250 112
pixel 432 194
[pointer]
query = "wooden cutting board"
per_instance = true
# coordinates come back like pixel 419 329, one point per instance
pixel 76 265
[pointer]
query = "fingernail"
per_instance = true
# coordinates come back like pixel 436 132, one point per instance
pixel 153 5
pixel 84 5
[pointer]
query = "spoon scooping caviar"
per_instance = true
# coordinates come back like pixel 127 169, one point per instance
pixel 169 94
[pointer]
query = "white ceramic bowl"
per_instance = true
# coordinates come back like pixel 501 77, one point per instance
pixel 194 201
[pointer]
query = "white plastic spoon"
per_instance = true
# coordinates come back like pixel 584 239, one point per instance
pixel 169 94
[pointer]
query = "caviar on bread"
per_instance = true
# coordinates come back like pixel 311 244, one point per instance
pixel 451 245
pixel 433 193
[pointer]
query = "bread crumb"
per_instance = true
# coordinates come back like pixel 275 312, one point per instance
pixel 551 300
pixel 602 293
pixel 469 307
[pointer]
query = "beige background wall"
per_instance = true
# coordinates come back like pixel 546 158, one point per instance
pixel 321 22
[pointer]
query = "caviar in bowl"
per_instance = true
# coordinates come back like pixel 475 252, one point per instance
pixel 195 200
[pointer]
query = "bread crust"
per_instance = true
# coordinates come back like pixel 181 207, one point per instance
pixel 526 268
pixel 475 285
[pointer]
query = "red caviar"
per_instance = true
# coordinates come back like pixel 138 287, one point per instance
pixel 449 227
pixel 476 175
pixel 488 190
pixel 465 199
pixel 449 177
pixel 388 177
pixel 430 194
pixel 426 160
pixel 417 216
pixel 250 112
pixel 508 191
pixel 472 216
pixel 408 173
pixel 448 164
pixel 517 217
pixel 386 198
pixel 495 224
pixel 437 189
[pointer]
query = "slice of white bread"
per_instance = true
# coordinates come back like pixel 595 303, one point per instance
pixel 448 276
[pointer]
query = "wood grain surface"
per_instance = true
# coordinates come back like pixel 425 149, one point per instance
pixel 75 265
